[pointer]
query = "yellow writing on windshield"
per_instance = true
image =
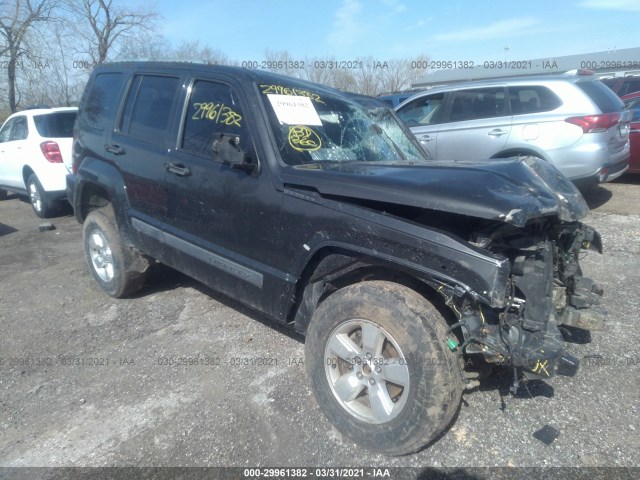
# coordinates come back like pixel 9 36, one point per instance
pixel 303 139
pixel 280 90
pixel 216 112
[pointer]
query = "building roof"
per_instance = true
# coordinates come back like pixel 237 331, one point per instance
pixel 613 62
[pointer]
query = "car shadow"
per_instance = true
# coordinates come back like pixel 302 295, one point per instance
pixel 597 196
pixel 163 278
pixel 575 335
pixel 628 179
pixel 6 229
pixel 502 380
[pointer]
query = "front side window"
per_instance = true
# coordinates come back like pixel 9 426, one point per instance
pixel 20 129
pixel 633 105
pixel 628 87
pixel 148 107
pixel 5 133
pixel 478 103
pixel 423 111
pixel 311 127
pixel 213 110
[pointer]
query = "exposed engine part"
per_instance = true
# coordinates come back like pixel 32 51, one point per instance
pixel 547 289
pixel 587 318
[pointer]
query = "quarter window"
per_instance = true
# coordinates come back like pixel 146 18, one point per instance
pixel 532 99
pixel 101 102
pixel 213 109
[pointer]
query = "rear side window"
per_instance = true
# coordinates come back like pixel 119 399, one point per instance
pixel 601 95
pixel 532 99
pixel 423 111
pixel 148 107
pixel 478 103
pixel 101 102
pixel 213 110
pixel 55 125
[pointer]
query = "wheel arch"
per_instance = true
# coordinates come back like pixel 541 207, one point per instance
pixel 27 171
pixel 332 268
pixel 521 152
pixel 91 196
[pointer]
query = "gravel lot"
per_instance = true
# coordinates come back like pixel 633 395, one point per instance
pixel 86 380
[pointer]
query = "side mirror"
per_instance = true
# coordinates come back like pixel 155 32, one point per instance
pixel 226 149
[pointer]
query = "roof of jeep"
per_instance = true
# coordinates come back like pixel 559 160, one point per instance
pixel 243 74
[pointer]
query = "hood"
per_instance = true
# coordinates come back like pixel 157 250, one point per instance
pixel 513 190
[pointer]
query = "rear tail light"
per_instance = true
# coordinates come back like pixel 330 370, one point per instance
pixel 595 123
pixel 51 152
pixel 74 157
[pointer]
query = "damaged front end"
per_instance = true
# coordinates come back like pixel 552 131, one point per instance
pixel 545 289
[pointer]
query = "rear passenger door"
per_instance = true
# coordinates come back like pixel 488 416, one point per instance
pixel 478 125
pixel 141 140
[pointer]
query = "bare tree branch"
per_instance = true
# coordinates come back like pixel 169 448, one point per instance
pixel 110 23
pixel 17 18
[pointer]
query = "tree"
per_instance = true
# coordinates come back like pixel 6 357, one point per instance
pixel 400 74
pixel 193 52
pixel 110 23
pixel 17 19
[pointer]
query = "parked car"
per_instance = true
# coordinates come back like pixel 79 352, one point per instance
pixel 632 102
pixel 320 210
pixel 623 86
pixel 395 99
pixel 35 156
pixel 572 121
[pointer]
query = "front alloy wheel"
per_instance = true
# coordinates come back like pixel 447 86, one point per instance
pixel 380 369
pixel 367 371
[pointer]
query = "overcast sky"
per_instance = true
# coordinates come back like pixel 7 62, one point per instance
pixel 453 30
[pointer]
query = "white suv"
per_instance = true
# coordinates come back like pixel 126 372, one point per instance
pixel 35 156
pixel 573 121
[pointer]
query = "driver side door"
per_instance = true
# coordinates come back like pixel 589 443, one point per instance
pixel 422 116
pixel 224 218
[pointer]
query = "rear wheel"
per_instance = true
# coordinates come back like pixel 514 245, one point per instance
pixel 118 269
pixel 380 368
pixel 38 198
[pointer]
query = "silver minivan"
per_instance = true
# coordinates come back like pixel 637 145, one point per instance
pixel 571 120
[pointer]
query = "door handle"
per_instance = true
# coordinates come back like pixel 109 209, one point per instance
pixel 177 169
pixel 114 148
pixel 497 132
pixel 425 138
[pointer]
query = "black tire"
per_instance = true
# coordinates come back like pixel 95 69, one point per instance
pixel 38 197
pixel 3 194
pixel 119 270
pixel 420 410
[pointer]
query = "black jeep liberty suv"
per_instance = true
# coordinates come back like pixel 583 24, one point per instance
pixel 319 209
